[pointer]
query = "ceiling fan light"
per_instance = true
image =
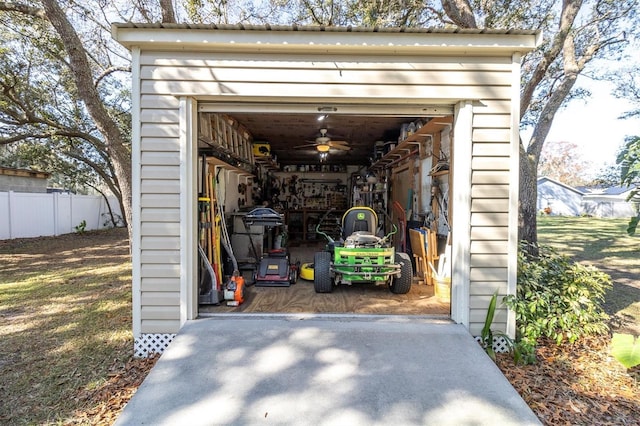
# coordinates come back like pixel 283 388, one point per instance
pixel 323 147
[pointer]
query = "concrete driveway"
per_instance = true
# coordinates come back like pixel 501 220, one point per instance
pixel 325 370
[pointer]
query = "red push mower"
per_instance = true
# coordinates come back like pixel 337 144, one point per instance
pixel 273 268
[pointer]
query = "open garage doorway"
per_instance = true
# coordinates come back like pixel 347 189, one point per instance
pixel 382 168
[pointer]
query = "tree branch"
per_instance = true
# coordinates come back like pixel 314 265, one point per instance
pixel 110 71
pixel 110 180
pixel 460 12
pixel 99 145
pixel 10 6
pixel 570 9
pixel 572 69
pixel 168 13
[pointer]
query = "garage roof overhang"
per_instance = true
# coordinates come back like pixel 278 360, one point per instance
pixel 325 40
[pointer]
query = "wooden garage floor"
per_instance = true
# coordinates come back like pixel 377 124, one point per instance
pixel 357 298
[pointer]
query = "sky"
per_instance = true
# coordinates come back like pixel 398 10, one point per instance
pixel 594 125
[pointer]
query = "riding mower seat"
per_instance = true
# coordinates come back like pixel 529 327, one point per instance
pixel 362 220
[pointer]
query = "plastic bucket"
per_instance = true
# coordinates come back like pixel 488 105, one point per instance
pixel 443 289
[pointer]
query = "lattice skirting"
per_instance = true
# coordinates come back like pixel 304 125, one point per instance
pixel 500 344
pixel 148 344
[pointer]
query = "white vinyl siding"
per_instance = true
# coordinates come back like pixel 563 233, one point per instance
pixel 355 79
pixel 160 284
pixel 490 195
pixel 160 227
pixel 349 77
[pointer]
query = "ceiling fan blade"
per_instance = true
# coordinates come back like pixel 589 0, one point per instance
pixel 341 148
pixel 308 145
pixel 339 145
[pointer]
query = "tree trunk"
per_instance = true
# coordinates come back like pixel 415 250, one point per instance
pixel 529 158
pixel 527 223
pixel 528 200
pixel 115 143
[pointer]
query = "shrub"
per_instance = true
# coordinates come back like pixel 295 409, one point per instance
pixel 81 227
pixel 556 298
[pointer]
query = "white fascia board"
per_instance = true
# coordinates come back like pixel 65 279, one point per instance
pixel 324 42
pixel 514 191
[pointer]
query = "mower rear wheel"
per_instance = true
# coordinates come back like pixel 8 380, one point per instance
pixel 293 275
pixel 322 282
pixel 402 284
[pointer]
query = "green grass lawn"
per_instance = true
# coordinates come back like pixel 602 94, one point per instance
pixel 65 311
pixel 603 243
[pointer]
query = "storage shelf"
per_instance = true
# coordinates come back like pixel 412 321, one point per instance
pixel 267 163
pixel 218 162
pixel 435 125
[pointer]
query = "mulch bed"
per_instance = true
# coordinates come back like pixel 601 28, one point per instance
pixel 577 384
pixel 105 403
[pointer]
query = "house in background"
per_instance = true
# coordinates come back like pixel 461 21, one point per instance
pixel 560 199
pixel 610 202
pixel 22 180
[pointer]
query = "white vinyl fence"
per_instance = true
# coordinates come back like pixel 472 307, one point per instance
pixel 25 215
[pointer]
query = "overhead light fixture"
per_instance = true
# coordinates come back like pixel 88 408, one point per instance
pixel 323 147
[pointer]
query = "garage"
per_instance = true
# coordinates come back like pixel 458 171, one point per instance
pixel 418 125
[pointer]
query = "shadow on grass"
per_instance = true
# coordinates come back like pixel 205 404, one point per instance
pixel 603 243
pixel 65 320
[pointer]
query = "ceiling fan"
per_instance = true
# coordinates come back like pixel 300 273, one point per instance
pixel 323 143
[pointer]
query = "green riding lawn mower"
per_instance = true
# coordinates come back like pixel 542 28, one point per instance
pixel 359 255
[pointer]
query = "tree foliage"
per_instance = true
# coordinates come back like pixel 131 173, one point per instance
pixel 608 175
pixel 44 124
pixel 629 161
pixel 63 107
pixel 563 161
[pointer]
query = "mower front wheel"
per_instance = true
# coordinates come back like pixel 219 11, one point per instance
pixel 402 284
pixel 322 282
